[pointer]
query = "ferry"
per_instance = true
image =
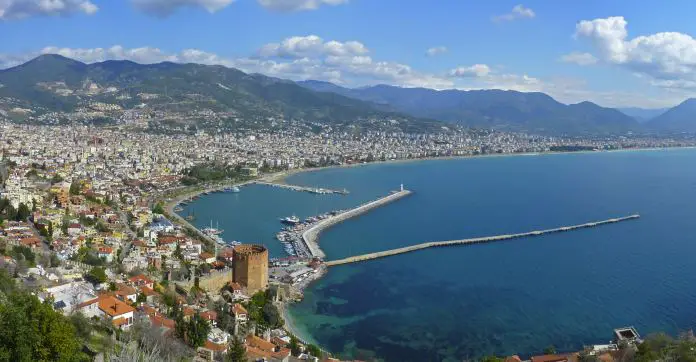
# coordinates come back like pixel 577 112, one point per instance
pixel 290 220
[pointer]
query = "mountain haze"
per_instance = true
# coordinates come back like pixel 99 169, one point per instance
pixel 500 109
pixel 681 118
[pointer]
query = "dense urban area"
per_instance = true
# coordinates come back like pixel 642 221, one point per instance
pixel 94 254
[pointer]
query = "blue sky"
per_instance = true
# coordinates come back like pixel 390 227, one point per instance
pixel 615 53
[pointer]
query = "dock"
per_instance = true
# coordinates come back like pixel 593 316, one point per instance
pixel 481 240
pixel 311 235
pixel 314 190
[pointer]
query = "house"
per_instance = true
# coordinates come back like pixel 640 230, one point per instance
pixel 207 257
pixel 236 289
pixel 141 280
pixel 565 357
pixel 150 294
pixel 110 308
pixel 215 346
pixel 210 316
pixel 66 297
pixel 259 348
pixel 74 229
pixel 126 293
pixel 240 313
pixel 106 252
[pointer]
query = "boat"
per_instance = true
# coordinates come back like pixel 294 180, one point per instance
pixel 210 231
pixel 234 243
pixel 178 209
pixel 235 189
pixel 191 216
pixel 290 220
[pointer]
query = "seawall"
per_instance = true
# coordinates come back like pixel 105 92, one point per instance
pixel 311 236
pixel 481 240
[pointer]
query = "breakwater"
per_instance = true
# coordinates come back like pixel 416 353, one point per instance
pixel 314 190
pixel 481 240
pixel 311 236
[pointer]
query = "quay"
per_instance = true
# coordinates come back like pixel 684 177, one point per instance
pixel 311 235
pixel 314 190
pixel 481 240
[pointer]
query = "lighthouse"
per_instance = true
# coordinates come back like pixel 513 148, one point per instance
pixel 402 187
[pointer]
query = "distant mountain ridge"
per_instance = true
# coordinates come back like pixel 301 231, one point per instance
pixel 52 83
pixel 500 109
pixel 221 97
pixel 681 118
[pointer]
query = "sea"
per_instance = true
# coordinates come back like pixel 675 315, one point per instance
pixel 513 297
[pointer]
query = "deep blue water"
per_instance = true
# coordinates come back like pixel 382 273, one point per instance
pixel 509 297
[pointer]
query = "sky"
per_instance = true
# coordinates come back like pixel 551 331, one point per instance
pixel 615 53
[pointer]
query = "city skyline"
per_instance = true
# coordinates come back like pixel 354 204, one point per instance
pixel 613 54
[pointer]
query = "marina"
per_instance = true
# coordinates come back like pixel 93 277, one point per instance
pixel 312 190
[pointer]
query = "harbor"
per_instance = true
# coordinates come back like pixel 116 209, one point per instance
pixel 300 238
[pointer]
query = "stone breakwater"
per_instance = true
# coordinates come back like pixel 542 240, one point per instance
pixel 311 235
pixel 487 239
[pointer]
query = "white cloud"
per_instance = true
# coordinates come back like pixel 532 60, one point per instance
pixel 311 45
pixel 19 9
pixel 518 12
pixel 476 70
pixel 431 52
pixel 579 58
pixel 167 7
pixel 669 58
pixel 298 5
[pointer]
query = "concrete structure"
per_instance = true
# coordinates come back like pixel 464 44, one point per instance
pixel 251 267
pixel 487 239
pixel 311 236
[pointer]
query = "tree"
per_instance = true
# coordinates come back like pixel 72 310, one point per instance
pixel 271 316
pixel 33 331
pixel 75 188
pixel 141 298
pixel 56 179
pixel 50 231
pixel 158 209
pixel 294 346
pixel 197 331
pixel 23 212
pixel 180 326
pixel 550 350
pixel 83 326
pixel 314 351
pixel 237 351
pixel 96 276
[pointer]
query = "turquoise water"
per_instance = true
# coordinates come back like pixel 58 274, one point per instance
pixel 510 297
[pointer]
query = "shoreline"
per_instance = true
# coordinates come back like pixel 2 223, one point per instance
pixel 281 176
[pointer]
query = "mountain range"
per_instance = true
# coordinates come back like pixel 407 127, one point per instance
pixel 218 96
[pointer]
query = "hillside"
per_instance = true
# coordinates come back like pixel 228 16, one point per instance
pixel 509 110
pixel 681 118
pixel 202 95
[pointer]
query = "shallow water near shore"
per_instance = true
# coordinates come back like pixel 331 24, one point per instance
pixel 516 296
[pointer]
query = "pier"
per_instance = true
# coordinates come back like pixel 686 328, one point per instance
pixel 481 240
pixel 314 190
pixel 311 236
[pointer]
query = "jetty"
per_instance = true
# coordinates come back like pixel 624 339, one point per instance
pixel 314 190
pixel 480 240
pixel 311 235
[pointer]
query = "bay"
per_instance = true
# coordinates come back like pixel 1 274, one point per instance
pixel 518 296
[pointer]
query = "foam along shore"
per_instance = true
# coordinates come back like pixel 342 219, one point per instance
pixel 311 235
